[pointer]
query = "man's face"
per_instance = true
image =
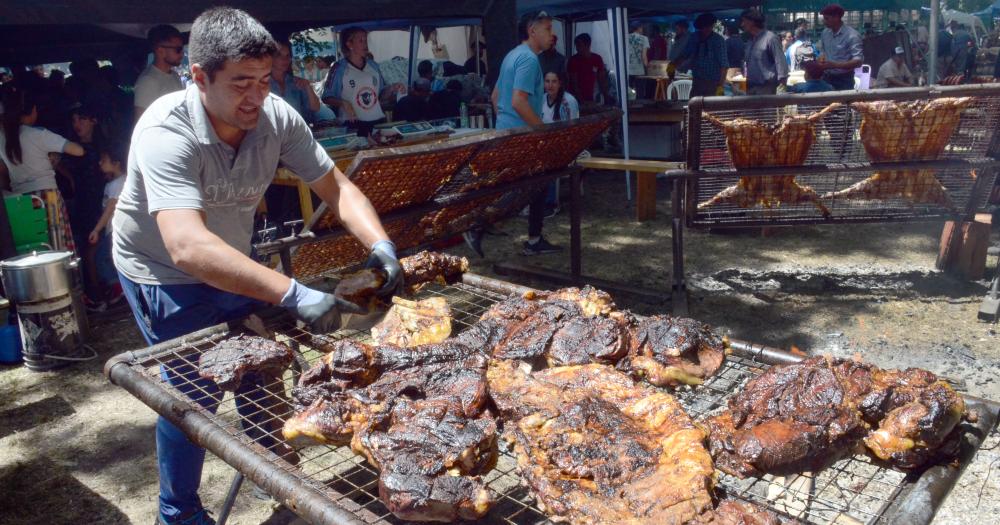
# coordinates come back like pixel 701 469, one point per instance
pixel 541 34
pixel 705 31
pixel 83 126
pixel 746 24
pixel 238 91
pixel 358 43
pixel 681 29
pixel 171 51
pixel 282 59
pixel 898 59
pixel 582 47
pixel 831 21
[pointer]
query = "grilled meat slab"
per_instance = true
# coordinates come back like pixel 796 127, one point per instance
pixel 414 323
pixel 430 459
pixel 804 416
pixel 360 287
pixel 733 512
pixel 418 414
pixel 754 144
pixel 594 447
pixel 898 131
pixel 244 358
pixel 669 351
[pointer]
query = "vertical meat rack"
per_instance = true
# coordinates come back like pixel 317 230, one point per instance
pixel 966 169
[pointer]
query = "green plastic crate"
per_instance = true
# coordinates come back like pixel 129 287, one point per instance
pixel 28 223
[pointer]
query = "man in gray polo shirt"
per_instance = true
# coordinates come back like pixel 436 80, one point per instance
pixel 199 164
pixel 842 49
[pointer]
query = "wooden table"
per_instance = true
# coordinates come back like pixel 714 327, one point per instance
pixel 342 159
pixel 645 188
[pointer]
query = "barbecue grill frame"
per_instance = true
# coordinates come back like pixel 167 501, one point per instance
pixel 684 195
pixel 913 503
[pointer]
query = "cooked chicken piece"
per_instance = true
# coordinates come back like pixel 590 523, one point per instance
pixel 670 351
pixel 596 448
pixel 754 144
pixel 591 300
pixel 414 323
pixel 899 131
pixel 802 417
pixel 244 358
pixel 361 287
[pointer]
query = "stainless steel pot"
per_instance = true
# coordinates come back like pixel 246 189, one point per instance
pixel 38 276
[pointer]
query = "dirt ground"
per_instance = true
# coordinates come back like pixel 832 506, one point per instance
pixel 76 449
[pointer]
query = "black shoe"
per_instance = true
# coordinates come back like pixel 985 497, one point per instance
pixel 539 248
pixel 550 211
pixel 200 517
pixel 474 240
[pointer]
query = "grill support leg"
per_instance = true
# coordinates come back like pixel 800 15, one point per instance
pixel 227 505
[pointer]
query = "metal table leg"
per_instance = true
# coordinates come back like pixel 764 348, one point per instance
pixel 227 506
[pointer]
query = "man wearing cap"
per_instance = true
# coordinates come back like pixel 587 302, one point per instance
pixel 842 49
pixel 199 164
pixel 894 73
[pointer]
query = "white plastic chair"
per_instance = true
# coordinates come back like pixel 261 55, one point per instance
pixel 679 89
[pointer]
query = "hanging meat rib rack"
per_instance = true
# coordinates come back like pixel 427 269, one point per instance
pixel 890 155
pixel 428 192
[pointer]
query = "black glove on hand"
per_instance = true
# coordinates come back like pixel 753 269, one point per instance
pixel 384 258
pixel 318 310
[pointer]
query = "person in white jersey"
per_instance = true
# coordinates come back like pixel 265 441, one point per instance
pixel 355 84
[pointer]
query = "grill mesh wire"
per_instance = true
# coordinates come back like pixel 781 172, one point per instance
pixel 852 488
pixel 838 143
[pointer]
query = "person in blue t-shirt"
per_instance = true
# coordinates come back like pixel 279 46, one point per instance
pixel 518 98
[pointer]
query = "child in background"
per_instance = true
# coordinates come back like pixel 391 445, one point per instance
pixel 113 161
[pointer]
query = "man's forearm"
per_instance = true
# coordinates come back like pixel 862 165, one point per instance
pixel 527 114
pixel 210 260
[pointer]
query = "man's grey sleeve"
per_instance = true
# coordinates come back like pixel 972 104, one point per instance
pixel 300 152
pixel 170 165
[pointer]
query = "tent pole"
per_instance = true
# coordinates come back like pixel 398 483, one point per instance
pixel 933 43
pixel 414 45
pixel 620 28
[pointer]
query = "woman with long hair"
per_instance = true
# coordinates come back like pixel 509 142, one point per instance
pixel 26 152
pixel 559 104
pixel 355 84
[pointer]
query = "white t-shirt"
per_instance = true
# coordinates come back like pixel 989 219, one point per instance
pixel 359 87
pixel 569 109
pixel 112 189
pixel 636 45
pixel 153 84
pixel 35 172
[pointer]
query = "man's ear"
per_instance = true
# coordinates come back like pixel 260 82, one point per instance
pixel 199 76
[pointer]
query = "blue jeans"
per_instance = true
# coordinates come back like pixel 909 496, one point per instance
pixel 164 312
pixel 106 272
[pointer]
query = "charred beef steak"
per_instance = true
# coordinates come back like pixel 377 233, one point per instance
pixel 243 358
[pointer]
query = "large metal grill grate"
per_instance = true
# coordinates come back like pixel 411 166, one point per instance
pixel 853 490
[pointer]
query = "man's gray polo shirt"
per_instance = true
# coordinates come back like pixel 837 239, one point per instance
pixel 176 161
pixel 843 46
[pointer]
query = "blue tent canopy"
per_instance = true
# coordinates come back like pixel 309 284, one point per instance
pixel 637 8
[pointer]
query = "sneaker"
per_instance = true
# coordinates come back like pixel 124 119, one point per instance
pixel 94 306
pixel 115 294
pixel 200 517
pixel 474 240
pixel 540 247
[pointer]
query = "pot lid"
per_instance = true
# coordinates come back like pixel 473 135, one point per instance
pixel 36 259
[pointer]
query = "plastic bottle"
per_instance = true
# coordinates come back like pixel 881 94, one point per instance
pixel 463 112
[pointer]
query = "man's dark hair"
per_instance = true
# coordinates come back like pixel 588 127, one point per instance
pixel 583 38
pixel 223 33
pixel 530 19
pixel 833 10
pixel 116 150
pixel 705 20
pixel 425 68
pixel 162 33
pixel 754 16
